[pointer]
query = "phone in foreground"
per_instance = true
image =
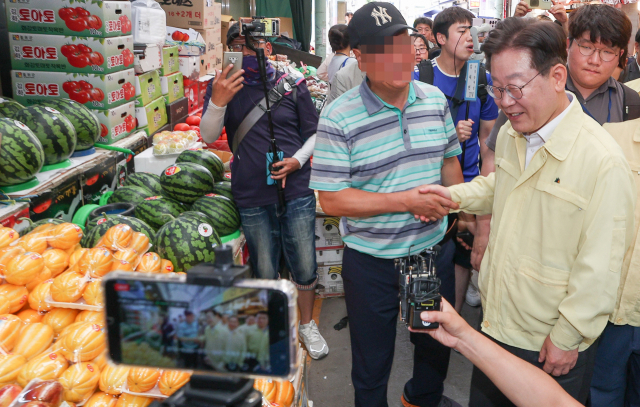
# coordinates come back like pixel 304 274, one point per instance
pixel 540 4
pixel 160 320
pixel 234 58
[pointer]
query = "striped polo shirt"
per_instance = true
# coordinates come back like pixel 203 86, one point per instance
pixel 364 143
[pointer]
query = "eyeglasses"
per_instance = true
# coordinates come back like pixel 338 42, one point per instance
pixel 421 50
pixel 587 49
pixel 240 47
pixel 514 92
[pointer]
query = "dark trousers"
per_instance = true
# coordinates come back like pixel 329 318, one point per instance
pixel 485 394
pixel 616 378
pixel 371 295
pixel 190 359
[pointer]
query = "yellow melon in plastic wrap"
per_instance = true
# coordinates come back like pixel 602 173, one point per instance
pixel 121 265
pixel 44 276
pixel 29 316
pixel 46 366
pixel 5 305
pixel 267 388
pixel 128 254
pixel 96 262
pixel 76 255
pixel 171 380
pixel 56 260
pixel 167 266
pixel 7 254
pixel 150 263
pixel 101 399
pixel 34 242
pixel 85 341
pixel 101 360
pixel 73 249
pixel 23 268
pixel 139 242
pixel 10 366
pixel 60 318
pixel 7 236
pixel 10 326
pixel 37 296
pixel 79 381
pixel 141 379
pixel 65 236
pixel 68 287
pixel 129 400
pixel 16 295
pixel 33 340
pixel 113 378
pixel 118 237
pixel 95 317
pixel 93 294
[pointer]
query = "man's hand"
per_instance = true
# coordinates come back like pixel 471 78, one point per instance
pixel 223 88
pixel 464 128
pixel 522 9
pixel 463 226
pixel 480 241
pixel 452 327
pixel 558 11
pixel 288 165
pixel 557 362
pixel 429 207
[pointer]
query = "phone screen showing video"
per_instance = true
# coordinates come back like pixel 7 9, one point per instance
pixel 195 327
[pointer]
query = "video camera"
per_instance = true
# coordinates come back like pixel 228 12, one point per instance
pixel 178 322
pixel 419 288
pixel 260 26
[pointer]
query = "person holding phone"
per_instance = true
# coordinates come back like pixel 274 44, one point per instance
pixel 272 231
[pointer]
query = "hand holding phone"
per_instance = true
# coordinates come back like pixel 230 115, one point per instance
pixel 232 58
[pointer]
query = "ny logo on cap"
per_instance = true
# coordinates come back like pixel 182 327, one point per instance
pixel 381 16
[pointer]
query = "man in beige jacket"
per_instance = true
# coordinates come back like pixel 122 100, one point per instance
pixel 562 200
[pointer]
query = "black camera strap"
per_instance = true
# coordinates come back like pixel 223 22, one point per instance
pixel 285 85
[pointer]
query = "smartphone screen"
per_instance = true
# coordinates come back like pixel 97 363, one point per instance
pixel 196 327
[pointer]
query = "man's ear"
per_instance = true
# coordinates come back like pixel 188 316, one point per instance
pixel 268 49
pixel 358 55
pixel 559 74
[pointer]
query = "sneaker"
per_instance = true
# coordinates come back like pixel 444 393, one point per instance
pixel 473 296
pixel 313 341
pixel 444 402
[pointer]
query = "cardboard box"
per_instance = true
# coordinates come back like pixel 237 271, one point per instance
pixel 328 233
pixel 329 256
pixel 10 216
pixel 211 38
pixel 45 17
pixel 190 67
pixel 330 281
pixel 115 89
pixel 125 164
pixel 60 202
pixel 98 179
pixel 225 22
pixel 57 53
pixel 152 115
pixel 191 93
pixel 177 111
pixel 202 91
pixel 172 87
pixel 189 41
pixel 219 54
pixel 200 14
pixel 169 61
pixel 286 26
pixel 148 87
pixel 149 61
pixel 116 123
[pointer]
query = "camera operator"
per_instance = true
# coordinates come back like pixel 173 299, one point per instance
pixel 270 229
pixel 377 144
pixel 562 200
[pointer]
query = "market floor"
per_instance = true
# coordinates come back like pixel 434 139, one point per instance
pixel 330 378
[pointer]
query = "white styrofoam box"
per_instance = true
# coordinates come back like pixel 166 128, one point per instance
pixel 329 256
pixel 150 60
pixel 149 23
pixel 328 232
pixel 330 281
pixel 155 164
pixel 190 67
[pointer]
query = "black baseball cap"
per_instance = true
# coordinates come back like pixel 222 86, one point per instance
pixel 233 32
pixel 374 21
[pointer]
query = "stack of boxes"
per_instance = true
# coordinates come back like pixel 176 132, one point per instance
pixel 200 21
pixel 329 249
pixel 172 84
pixel 80 51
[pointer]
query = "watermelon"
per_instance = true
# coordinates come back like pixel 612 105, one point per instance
pixel 145 180
pixel 187 242
pixel 84 121
pixel 21 154
pixel 133 195
pixel 9 107
pixel 99 227
pixel 158 210
pixel 223 188
pixel 186 182
pixel 33 225
pixel 195 215
pixel 55 132
pixel 205 158
pixel 222 212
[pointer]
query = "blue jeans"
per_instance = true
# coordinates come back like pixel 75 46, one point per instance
pixel 616 378
pixel 271 233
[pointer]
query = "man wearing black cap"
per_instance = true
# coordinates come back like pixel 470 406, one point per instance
pixel 376 145
pixel 271 230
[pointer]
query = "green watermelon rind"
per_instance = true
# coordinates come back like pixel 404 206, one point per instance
pixel 221 210
pixel 130 194
pixel 223 188
pixel 207 159
pixel 188 184
pixel 21 153
pixel 154 211
pixel 84 121
pixel 180 242
pixel 9 107
pixel 145 180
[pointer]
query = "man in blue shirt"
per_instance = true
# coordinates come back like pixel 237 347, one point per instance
pixel 187 335
pixel 452 31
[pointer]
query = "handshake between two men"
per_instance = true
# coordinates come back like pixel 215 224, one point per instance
pixel 431 202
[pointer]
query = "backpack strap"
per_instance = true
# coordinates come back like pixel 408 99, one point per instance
pixel 425 71
pixel 630 103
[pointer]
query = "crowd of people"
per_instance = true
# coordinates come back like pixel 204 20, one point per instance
pixel 217 341
pixel 540 170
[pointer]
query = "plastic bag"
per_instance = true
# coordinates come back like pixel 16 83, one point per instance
pixel 149 22
pixel 44 391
